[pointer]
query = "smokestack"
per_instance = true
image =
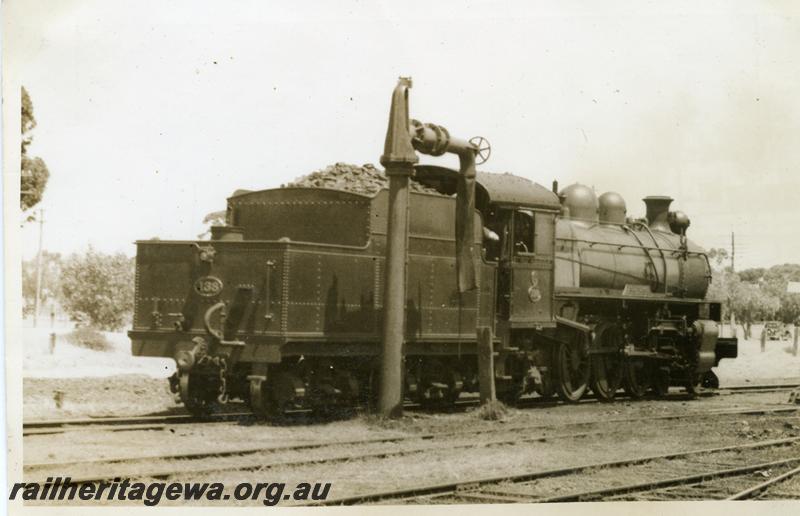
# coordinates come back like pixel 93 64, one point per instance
pixel 657 212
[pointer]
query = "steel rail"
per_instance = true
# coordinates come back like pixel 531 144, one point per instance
pixel 108 421
pixel 110 428
pixel 453 488
pixel 757 489
pixel 131 423
pixel 765 387
pixel 118 424
pixel 660 484
pixel 422 437
pixel 168 472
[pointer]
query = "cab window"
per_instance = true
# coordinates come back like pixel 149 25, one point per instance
pixel 523 232
pixel 495 234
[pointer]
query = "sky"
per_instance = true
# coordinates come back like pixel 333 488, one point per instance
pixel 151 113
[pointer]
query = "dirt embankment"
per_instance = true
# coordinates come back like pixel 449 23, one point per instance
pixel 130 394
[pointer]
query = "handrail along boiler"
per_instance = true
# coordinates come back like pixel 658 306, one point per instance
pixel 284 306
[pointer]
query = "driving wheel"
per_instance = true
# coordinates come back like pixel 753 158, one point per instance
pixel 572 367
pixel 607 367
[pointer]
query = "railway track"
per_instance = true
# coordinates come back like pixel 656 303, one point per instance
pixel 109 468
pixel 776 387
pixel 710 473
pixel 122 424
pixel 156 422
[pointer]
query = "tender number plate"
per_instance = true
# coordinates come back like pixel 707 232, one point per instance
pixel 208 286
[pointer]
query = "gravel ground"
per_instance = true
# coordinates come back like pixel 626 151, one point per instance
pixel 753 365
pixel 59 398
pixel 439 465
pixel 101 444
pixel 106 392
pixel 657 470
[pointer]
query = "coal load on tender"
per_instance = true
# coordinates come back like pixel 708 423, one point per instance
pixel 366 179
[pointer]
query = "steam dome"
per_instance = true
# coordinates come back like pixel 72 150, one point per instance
pixel 581 202
pixel 612 208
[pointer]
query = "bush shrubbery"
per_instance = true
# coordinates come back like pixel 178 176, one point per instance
pixel 89 338
pixel 98 288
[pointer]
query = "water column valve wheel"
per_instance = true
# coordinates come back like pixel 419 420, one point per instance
pixel 484 149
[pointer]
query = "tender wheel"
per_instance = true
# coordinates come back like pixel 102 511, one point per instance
pixel 287 391
pixel 440 385
pixel 411 387
pixel 572 368
pixel 347 383
pixel 259 399
pixel 635 378
pixel 369 394
pixel 455 385
pixel 198 394
pixel 607 368
pixel 510 393
pixel 661 380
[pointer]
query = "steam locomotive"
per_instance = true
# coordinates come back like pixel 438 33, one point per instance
pixel 283 307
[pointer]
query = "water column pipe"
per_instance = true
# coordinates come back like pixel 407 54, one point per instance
pixel 403 138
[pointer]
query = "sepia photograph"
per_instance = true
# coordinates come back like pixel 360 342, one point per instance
pixel 417 256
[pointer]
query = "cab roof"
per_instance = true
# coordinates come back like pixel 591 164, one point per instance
pixel 499 189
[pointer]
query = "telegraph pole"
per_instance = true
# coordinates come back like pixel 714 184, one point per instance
pixel 733 253
pixel 37 301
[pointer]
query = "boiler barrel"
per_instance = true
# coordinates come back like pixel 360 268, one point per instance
pixel 612 257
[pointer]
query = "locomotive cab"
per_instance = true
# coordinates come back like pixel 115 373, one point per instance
pixel 524 256
pixel 519 218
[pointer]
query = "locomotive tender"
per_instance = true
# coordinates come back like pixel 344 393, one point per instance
pixel 283 307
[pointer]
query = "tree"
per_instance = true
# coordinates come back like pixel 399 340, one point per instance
pixel 33 170
pixel 752 275
pixel 746 301
pixel 775 281
pixel 98 289
pixel 51 281
pixel 718 255
pixel 215 218
pixel 758 294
